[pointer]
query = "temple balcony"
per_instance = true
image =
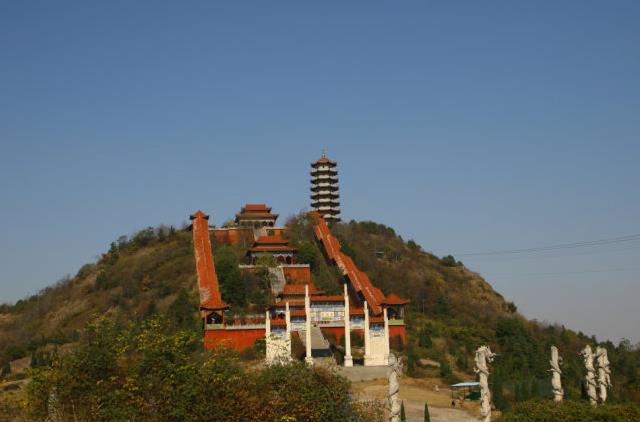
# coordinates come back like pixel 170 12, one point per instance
pixel 325 194
pixel 323 177
pixel 317 204
pixel 328 208
pixel 323 170
pixel 324 185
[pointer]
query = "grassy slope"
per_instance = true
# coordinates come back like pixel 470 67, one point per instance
pixel 453 310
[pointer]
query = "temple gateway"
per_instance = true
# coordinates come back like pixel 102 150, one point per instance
pixel 298 308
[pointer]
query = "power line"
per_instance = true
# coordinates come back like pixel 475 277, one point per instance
pixel 574 245
pixel 605 270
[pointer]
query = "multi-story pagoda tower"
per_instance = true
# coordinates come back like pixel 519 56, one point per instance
pixel 324 189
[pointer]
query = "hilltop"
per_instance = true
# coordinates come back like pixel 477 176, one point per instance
pixel 453 310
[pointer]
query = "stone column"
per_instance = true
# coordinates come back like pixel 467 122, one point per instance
pixel 367 342
pixel 387 346
pixel 394 389
pixel 267 339
pixel 484 356
pixel 267 325
pixel 604 373
pixel 307 333
pixel 556 382
pixel 590 378
pixel 287 318
pixel 348 359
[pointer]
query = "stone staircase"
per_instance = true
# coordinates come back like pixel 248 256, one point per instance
pixel 278 280
pixel 320 346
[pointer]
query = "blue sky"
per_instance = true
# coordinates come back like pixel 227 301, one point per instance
pixel 468 126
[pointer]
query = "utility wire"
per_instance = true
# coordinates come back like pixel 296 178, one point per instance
pixel 604 270
pixel 574 245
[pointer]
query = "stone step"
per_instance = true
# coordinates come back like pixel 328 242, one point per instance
pixel 320 347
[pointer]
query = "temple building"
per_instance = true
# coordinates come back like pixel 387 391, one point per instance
pixel 324 189
pixel 297 308
pixel 274 245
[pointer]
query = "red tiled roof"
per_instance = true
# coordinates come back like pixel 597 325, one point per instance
pixel 205 269
pixel 394 299
pixel 292 303
pixel 297 312
pixel 256 207
pixel 356 311
pixel 336 298
pixel 298 289
pixel 275 239
pixel 359 280
pixel 323 160
pixel 273 248
pixel 263 215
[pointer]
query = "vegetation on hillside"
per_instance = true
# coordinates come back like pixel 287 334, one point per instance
pixel 452 311
pixel 147 372
pixel 152 272
pixel 571 411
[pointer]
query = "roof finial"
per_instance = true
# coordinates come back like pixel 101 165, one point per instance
pixel 324 152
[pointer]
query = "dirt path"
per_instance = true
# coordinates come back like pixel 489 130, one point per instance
pixel 414 394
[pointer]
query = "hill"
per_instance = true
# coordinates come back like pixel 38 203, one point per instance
pixel 453 310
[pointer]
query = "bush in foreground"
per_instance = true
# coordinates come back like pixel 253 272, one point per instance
pixel 145 373
pixel 571 411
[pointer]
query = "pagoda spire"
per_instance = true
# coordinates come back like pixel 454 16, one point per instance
pixel 324 188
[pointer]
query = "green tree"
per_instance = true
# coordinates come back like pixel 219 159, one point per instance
pixel 181 311
pixel 403 416
pixel 144 372
pixel 424 340
pixel 308 254
pixel 411 360
pixel 497 392
pixel 427 418
pixel 231 286
pixel 450 261
pixel 442 307
pixel 445 370
pixel 5 370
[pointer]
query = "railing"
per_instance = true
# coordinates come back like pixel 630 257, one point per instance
pixel 235 327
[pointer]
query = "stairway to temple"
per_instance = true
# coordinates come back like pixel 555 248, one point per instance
pixel 278 280
pixel 319 345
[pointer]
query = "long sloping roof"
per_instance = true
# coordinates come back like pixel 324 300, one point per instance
pixel 358 279
pixel 210 298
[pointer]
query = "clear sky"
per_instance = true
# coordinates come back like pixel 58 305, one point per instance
pixel 468 126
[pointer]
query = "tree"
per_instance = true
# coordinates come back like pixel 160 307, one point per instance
pixel 403 417
pixel 442 307
pixel 308 254
pixel 5 371
pixel 497 391
pixel 181 311
pixel 450 261
pixel 144 372
pixel 445 370
pixel 424 340
pixel 411 360
pixel 427 418
pixel 231 286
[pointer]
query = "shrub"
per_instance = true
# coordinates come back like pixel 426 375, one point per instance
pixel 570 411
pixel 144 372
pixel 450 261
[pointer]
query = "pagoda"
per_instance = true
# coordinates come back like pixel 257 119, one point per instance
pixel 256 215
pixel 324 189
